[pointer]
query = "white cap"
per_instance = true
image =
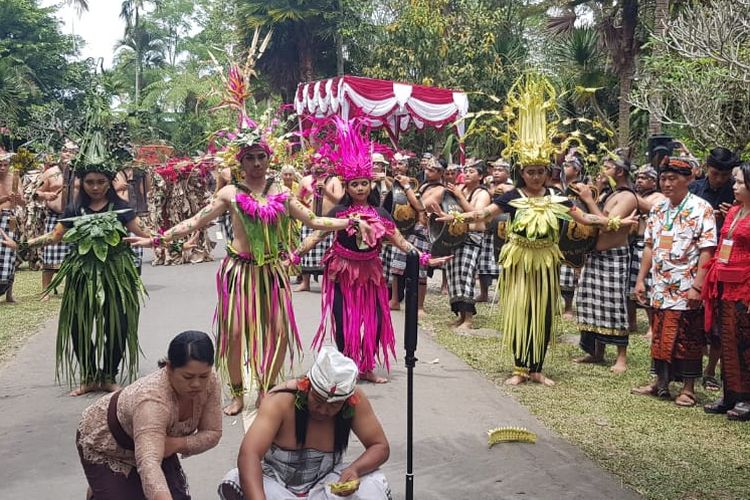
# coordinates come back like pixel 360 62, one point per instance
pixel 400 157
pixel 378 158
pixel 6 156
pixel 333 376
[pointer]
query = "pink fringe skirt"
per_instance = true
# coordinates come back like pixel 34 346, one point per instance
pixel 368 330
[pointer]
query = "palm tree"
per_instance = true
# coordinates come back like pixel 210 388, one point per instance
pixel 130 11
pixel 147 49
pixel 299 27
pixel 616 23
pixel 79 5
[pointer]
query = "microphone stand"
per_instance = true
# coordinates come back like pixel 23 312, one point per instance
pixel 410 345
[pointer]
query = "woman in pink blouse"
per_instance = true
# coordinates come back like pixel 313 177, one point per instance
pixel 128 441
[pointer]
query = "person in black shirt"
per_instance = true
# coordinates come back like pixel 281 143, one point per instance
pixel 101 302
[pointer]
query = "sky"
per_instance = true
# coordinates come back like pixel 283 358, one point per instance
pixel 100 26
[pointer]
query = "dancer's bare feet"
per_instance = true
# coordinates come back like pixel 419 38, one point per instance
pixel 620 366
pixel 457 322
pixel 589 359
pixel 466 325
pixel 303 287
pixel 481 298
pixel 538 378
pixel 394 306
pixel 234 407
pixel 421 314
pixel 568 316
pixel 371 377
pixel 110 387
pixel 516 380
pixel 83 389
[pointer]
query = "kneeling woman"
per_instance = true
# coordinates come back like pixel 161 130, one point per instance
pixel 128 441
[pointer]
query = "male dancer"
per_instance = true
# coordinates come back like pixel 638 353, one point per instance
pixel 602 293
pixel 320 192
pixel 10 198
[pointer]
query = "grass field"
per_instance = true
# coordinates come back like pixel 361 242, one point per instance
pixel 21 320
pixel 659 449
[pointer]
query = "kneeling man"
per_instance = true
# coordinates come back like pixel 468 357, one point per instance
pixel 295 446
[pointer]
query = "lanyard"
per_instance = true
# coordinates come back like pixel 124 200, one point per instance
pixel 669 225
pixel 740 215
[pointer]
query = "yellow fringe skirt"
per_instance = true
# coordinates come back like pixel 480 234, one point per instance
pixel 529 289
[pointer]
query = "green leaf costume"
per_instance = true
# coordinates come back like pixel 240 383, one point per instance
pixel 98 325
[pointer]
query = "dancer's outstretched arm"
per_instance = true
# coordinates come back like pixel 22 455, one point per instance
pixel 308 218
pixel 220 203
pixel 398 240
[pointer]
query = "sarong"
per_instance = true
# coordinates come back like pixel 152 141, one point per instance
pixel 601 298
pixel 8 223
pixel 421 242
pixel 386 256
pixel 226 225
pixel 355 307
pixel 461 273
pixel 636 256
pixel 568 279
pixel 312 261
pixel 372 486
pixel 253 300
pixel 678 340
pixel 53 254
pixel 733 328
pixel 487 265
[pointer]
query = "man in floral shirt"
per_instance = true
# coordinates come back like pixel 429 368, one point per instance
pixel 680 239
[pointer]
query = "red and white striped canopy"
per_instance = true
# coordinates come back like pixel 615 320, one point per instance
pixel 382 103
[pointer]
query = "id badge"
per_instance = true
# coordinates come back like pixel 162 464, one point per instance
pixel 725 251
pixel 665 240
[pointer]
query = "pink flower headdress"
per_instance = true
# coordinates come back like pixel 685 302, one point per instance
pixel 352 152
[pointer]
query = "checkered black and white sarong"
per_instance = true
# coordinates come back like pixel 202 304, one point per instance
pixel 636 256
pixel 487 265
pixel 461 273
pixel 226 225
pixel 138 253
pixel 8 223
pixel 312 261
pixel 602 293
pixel 568 278
pixel 386 256
pixel 54 254
pixel 421 242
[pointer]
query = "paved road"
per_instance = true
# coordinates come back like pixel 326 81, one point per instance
pixel 454 408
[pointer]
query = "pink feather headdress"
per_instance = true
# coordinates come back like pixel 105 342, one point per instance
pixel 351 155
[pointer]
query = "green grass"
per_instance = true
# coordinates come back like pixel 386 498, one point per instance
pixel 21 320
pixel 660 450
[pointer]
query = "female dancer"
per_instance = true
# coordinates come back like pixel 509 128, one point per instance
pixel 355 293
pixel 530 281
pixel 98 325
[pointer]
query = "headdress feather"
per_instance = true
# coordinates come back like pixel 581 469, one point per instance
pixel 351 155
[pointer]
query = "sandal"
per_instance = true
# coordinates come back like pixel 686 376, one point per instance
pixel 717 407
pixel 685 399
pixel 740 412
pixel 710 383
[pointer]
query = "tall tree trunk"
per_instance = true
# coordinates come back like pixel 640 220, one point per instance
pixel 304 51
pixel 623 110
pixel 340 41
pixel 137 75
pixel 626 68
pixel 661 16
